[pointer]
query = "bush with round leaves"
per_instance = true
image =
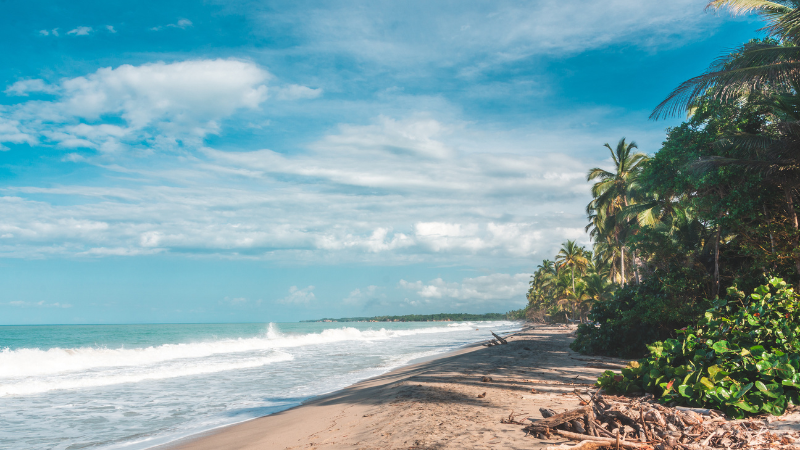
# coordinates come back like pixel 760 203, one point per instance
pixel 742 358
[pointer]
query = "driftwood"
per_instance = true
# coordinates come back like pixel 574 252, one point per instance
pixel 585 445
pixel 501 340
pixel 606 441
pixel 555 420
pixel 617 422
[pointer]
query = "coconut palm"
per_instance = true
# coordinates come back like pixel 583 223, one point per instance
pixel 572 257
pixel 771 65
pixel 612 193
pixel 765 73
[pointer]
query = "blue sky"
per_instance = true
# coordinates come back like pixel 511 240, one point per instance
pixel 280 161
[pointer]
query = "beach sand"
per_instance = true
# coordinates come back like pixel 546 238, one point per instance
pixel 433 404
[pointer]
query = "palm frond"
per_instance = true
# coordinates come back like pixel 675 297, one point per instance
pixel 729 84
pixel 741 7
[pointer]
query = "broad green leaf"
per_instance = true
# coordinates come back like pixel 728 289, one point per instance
pixel 686 390
pixel 743 390
pixel 721 347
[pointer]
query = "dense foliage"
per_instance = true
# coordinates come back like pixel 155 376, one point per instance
pixel 743 357
pixel 713 208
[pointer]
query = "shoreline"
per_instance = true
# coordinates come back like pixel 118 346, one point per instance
pixel 177 443
pixel 375 413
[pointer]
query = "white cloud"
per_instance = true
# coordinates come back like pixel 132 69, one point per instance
pixel 23 87
pixel 370 294
pixel 39 304
pixel 234 301
pixel 10 132
pixel 181 23
pixel 298 296
pixel 498 286
pixel 80 31
pixel 480 35
pixel 160 104
pixel 350 196
pixel 110 29
pixel 296 92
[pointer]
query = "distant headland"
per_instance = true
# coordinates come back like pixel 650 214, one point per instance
pixel 421 318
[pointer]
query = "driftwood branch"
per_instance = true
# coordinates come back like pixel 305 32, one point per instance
pixel 585 445
pixel 502 341
pixel 606 441
pixel 619 422
pixel 558 419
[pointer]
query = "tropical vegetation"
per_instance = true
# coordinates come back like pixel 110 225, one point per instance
pixel 714 210
pixel 679 236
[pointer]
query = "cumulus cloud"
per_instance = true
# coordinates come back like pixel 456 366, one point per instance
pixel 498 286
pixel 25 87
pixel 159 104
pixel 298 296
pixel 80 31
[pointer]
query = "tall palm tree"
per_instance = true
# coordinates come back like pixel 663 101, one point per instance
pixel 612 193
pixel 572 257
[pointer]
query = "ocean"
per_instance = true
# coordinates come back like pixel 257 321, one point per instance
pixel 138 386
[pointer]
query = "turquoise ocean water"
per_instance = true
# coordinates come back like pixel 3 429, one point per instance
pixel 137 386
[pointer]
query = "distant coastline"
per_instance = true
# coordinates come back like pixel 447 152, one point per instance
pixel 420 318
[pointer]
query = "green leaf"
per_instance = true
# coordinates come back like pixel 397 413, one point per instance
pixel 743 391
pixel 686 390
pixel 704 384
pixel 721 347
pixel 746 406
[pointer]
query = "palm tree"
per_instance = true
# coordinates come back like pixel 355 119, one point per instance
pixel 612 192
pixel 573 257
pixel 763 73
pixel 753 67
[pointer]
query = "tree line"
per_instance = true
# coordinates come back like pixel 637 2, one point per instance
pixel 714 208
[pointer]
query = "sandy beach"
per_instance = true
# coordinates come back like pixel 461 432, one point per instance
pixel 433 404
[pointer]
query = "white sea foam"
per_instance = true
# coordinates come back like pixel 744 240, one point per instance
pixel 134 398
pixel 28 362
pixel 37 385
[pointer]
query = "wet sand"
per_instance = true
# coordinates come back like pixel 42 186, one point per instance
pixel 433 404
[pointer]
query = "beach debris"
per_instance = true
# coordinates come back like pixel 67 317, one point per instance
pixel 612 422
pixel 511 420
pixel 486 379
pixel 482 395
pixel 501 340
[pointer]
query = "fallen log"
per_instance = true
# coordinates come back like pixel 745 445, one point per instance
pixel 558 419
pixel 585 445
pixel 606 441
pixel 502 341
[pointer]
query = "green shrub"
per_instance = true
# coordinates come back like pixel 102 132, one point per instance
pixel 639 315
pixel 743 357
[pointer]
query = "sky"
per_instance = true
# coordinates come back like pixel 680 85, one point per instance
pixel 257 161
